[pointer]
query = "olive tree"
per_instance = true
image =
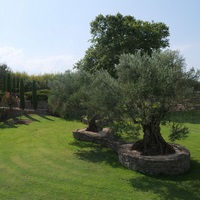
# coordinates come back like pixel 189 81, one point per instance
pixel 81 94
pixel 152 87
pixel 66 94
pixel 103 103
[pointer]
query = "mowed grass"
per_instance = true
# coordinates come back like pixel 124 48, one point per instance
pixel 42 160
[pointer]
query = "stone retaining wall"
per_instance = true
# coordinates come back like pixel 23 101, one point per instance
pixel 172 164
pixel 104 138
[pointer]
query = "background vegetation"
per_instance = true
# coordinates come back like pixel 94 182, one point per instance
pixel 32 89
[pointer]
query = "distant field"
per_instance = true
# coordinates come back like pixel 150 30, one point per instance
pixel 41 160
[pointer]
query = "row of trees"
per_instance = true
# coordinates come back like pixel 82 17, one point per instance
pixel 34 95
pixel 16 88
pixel 125 80
pixel 10 81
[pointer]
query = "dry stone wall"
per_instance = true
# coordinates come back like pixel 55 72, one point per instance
pixel 172 164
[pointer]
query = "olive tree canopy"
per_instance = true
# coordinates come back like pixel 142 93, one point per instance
pixel 81 94
pixel 153 86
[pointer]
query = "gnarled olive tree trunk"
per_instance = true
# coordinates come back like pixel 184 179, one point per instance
pixel 153 142
pixel 92 124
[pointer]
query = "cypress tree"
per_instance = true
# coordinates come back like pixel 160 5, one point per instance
pixel 13 84
pixel 34 95
pixel 17 84
pixel 4 83
pixel 21 94
pixel 9 87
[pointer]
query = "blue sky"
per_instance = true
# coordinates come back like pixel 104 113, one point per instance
pixel 49 36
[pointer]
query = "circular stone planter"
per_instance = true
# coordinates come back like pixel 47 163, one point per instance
pixel 173 164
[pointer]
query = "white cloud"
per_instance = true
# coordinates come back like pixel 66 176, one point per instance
pixel 51 64
pixel 182 47
pixel 17 61
pixel 10 54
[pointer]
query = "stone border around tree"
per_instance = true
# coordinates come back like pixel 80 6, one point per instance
pixel 172 164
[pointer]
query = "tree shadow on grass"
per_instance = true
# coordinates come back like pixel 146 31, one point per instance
pixel 7 124
pixel 13 122
pixel 97 154
pixel 45 117
pixel 30 117
pixel 83 144
pixel 186 186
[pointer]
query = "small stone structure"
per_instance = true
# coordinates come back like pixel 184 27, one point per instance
pixel 172 164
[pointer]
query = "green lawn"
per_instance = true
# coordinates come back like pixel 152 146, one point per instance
pixel 41 160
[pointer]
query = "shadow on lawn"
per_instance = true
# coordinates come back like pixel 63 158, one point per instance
pixel 30 117
pixel 45 117
pixel 96 154
pixel 13 122
pixel 6 124
pixel 186 186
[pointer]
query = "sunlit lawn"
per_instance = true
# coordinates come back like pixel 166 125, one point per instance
pixel 41 160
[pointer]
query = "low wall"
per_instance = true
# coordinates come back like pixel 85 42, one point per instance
pixel 104 138
pixel 172 164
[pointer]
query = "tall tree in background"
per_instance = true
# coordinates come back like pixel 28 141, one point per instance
pixel 9 84
pixel 13 84
pixel 4 70
pixel 21 94
pixel 34 95
pixel 113 35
